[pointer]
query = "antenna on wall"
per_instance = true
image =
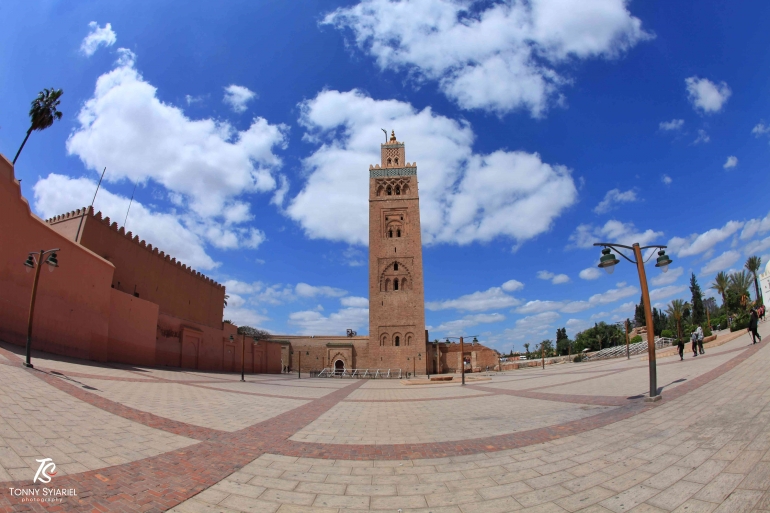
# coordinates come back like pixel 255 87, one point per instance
pixel 129 205
pixel 92 204
pixel 386 135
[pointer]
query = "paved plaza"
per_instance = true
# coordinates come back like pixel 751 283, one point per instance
pixel 572 437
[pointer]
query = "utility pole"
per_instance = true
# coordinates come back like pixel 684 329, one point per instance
pixel 462 360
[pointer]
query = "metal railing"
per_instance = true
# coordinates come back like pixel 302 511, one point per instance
pixel 633 349
pixel 329 372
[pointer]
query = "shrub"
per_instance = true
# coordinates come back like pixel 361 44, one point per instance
pixel 740 323
pixel 707 331
pixel 637 338
pixel 578 358
pixel 667 334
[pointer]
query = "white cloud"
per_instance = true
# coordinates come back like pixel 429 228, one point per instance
pixel 668 277
pixel 590 273
pixel 755 226
pixel 512 285
pixel 705 95
pixel 702 138
pixel 586 235
pixel 674 124
pixel 732 161
pixel 757 246
pixel 464 197
pixel 312 322
pixel 205 163
pixel 664 292
pixel 190 99
pixel 575 326
pixel 492 56
pixel 534 325
pixel 305 290
pixel 491 299
pixel 556 279
pixel 355 302
pixel 760 129
pixel 458 327
pixel 612 198
pixel 720 263
pixel 610 296
pixel 699 243
pixel 97 36
pixel 237 97
pixel 666 179
pixel 58 194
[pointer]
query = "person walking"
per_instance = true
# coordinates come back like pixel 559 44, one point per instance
pixel 694 340
pixel 753 321
pixel 680 345
pixel 699 333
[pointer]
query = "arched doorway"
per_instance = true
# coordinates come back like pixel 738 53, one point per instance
pixel 339 367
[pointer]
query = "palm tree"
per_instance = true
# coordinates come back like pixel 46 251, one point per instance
pixel 526 347
pixel 752 265
pixel 676 310
pixel 740 282
pixel 721 284
pixel 42 113
pixel 227 296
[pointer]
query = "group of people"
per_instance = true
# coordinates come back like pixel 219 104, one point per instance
pixel 696 338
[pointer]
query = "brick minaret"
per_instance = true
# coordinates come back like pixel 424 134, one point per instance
pixel 396 296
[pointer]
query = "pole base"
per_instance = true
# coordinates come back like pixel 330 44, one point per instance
pixel 652 399
pixel 28 365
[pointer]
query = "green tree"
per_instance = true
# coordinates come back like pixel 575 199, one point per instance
pixel 43 113
pixel 698 310
pixel 752 265
pixel 721 284
pixel 740 282
pixel 255 333
pixel 546 348
pixel 639 319
pixel 676 311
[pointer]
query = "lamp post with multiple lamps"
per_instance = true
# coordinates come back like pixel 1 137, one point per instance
pixel 608 262
pixel 34 261
pixel 462 353
pixel 243 355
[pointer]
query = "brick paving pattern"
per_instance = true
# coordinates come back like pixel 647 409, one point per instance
pixel 573 437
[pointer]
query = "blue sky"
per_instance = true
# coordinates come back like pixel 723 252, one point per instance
pixel 538 128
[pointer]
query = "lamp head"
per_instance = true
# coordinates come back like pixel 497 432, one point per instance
pixel 52 262
pixel 608 261
pixel 663 261
pixel 231 338
pixel 29 264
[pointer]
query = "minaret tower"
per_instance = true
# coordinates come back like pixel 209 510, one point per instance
pixel 396 294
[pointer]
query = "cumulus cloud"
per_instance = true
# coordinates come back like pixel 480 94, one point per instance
pixel 512 285
pixel 612 198
pixel 760 129
pixel 464 196
pixel 305 290
pixel 355 302
pixel 490 299
pixel 590 273
pixel 667 278
pixel 674 124
pixel 610 296
pixel 664 292
pixel 97 36
pixel 534 325
pixel 757 246
pixel 732 161
pixel 556 279
pixel 702 138
pixel 237 97
pixel 312 322
pixel 58 194
pixel 205 164
pixel 666 179
pixel 696 244
pixel 492 56
pixel 755 226
pixel 458 327
pixel 705 95
pixel 586 235
pixel 721 263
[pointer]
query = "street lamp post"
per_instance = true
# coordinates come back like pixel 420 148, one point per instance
pixel 608 262
pixel 34 261
pixel 462 354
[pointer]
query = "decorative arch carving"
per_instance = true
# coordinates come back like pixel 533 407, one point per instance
pixel 398 339
pixel 400 183
pixel 384 339
pixel 390 275
pixel 409 337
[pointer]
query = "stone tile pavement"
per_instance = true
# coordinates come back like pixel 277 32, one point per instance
pixel 705 447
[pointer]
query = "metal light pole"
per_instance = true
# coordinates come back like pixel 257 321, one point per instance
pixel 462 353
pixel 542 354
pixel 608 262
pixel 243 357
pixel 299 364
pixel 34 261
pixel 628 351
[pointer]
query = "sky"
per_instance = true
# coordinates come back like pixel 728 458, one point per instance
pixel 539 127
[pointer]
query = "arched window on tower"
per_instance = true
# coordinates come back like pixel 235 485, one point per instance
pixel 395 284
pixel 397 341
pixel 398 190
pixel 395 266
pixel 389 190
pixel 387 285
pixel 396 161
pixel 398 233
pixel 389 161
pixel 390 234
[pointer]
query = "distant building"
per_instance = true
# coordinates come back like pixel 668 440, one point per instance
pixel 764 282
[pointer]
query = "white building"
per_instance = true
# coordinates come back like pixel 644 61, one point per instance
pixel 764 281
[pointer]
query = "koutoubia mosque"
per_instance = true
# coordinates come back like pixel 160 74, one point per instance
pixel 116 298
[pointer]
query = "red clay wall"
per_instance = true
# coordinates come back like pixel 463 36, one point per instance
pixel 132 330
pixel 139 268
pixel 72 310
